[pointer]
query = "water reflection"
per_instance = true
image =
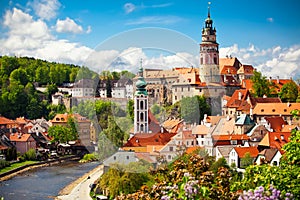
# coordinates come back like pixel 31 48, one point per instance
pixel 43 183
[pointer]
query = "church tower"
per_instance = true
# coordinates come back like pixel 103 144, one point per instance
pixel 209 53
pixel 141 104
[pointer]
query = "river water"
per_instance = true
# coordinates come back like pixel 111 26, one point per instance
pixel 43 183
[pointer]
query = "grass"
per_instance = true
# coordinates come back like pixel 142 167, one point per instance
pixel 16 165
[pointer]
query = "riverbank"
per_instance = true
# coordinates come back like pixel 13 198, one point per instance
pixel 79 189
pixel 10 174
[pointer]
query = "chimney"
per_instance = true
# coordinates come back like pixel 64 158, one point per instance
pixel 288 104
pixel 278 80
pixel 281 137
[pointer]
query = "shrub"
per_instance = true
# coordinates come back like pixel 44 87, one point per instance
pixel 4 163
pixel 29 155
pixel 88 158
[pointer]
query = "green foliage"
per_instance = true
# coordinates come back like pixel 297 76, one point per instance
pixel 188 177
pixel 4 163
pixel 64 134
pixel 105 147
pixel 221 162
pixel 30 155
pixel 159 112
pixel 11 154
pixel 88 158
pixel 283 178
pixel 289 92
pixel 192 109
pixel 86 109
pixel 246 160
pixel 114 133
pixel 125 179
pixel 261 85
pixel 130 109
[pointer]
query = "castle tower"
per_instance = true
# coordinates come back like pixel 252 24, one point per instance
pixel 209 53
pixel 141 104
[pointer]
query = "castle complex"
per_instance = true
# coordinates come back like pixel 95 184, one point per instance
pixel 213 78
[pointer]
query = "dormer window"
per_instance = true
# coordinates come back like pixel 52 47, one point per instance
pixel 273 110
pixel 262 110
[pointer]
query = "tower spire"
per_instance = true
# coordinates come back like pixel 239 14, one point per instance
pixel 208 7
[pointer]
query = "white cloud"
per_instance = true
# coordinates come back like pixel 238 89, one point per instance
pixel 154 20
pixel 29 37
pixel 45 9
pixel 89 29
pixel 275 61
pixel 129 7
pixel 270 19
pixel 68 26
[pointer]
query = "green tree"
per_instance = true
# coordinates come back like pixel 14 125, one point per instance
pixel 289 92
pixel 50 90
pixel 261 86
pixel 221 162
pixel 130 109
pixel 20 76
pixel 114 133
pixel 192 109
pixel 246 160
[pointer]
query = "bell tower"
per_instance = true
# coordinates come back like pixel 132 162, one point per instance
pixel 141 104
pixel 209 53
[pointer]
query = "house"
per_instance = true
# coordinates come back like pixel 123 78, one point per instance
pixel 172 125
pixel 84 88
pixel 262 110
pixel 256 134
pixel 57 98
pixel 122 88
pixel 243 124
pixel 178 144
pixel 271 156
pixel 237 153
pixel 139 142
pixel 274 140
pixel 120 157
pixel 83 126
pixel 274 123
pixel 23 142
pixel 223 152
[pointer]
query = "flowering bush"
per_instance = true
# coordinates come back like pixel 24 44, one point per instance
pixel 262 194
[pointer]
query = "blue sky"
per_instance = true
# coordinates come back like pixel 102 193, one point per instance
pixel 262 33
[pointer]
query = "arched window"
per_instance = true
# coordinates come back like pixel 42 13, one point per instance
pixel 142 128
pixel 142 117
pixel 142 105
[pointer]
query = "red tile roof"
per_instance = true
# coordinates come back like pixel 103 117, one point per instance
pixel 275 108
pixel 275 140
pixel 144 139
pixel 5 121
pixel 16 137
pixel 230 137
pixel 276 123
pixel 241 151
pixel 237 98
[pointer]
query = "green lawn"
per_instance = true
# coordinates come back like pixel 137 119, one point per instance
pixel 16 165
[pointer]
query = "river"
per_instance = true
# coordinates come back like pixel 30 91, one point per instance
pixel 43 183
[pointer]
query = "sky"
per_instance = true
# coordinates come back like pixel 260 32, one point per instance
pixel 116 35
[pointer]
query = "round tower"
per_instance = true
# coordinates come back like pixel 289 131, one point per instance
pixel 209 53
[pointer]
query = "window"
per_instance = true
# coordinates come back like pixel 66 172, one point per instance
pixel 115 157
pixel 127 157
pixel 171 148
pixel 233 142
pixel 273 110
pixel 169 157
pixel 262 110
